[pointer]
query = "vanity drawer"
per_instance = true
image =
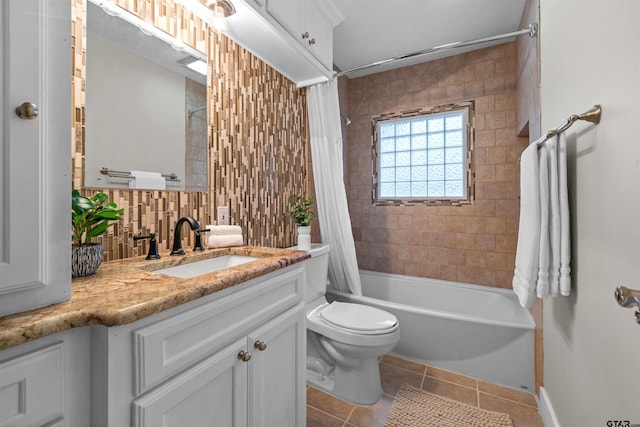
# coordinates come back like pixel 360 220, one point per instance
pixel 171 345
pixel 32 387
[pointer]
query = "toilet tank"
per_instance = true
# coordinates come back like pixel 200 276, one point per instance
pixel 317 270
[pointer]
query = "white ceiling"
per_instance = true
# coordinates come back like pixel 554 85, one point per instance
pixel 375 30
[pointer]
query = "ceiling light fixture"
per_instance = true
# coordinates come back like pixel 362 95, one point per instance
pixel 222 9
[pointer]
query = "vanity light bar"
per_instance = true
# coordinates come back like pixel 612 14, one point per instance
pixel 147 28
pixel 195 64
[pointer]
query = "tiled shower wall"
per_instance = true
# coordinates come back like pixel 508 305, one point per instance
pixel 474 243
pixel 257 142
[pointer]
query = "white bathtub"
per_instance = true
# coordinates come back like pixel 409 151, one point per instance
pixel 474 330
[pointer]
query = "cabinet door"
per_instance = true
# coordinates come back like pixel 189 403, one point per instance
pixel 320 41
pixel 289 14
pixel 211 394
pixel 32 388
pixel 35 164
pixel 276 374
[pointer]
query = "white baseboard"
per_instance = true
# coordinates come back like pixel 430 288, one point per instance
pixel 545 407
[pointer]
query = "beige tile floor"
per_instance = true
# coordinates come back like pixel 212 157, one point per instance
pixel 324 410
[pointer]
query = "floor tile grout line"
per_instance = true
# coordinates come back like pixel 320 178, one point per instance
pixel 330 415
pixel 404 369
pixel 506 398
pixel 451 382
pixel 353 408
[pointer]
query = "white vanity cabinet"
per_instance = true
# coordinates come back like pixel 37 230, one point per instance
pixel 35 195
pixel 46 382
pixel 239 385
pixel 201 364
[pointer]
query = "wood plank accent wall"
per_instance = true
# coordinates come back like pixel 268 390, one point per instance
pixel 258 144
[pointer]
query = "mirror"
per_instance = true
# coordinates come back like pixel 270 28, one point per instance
pixel 146 111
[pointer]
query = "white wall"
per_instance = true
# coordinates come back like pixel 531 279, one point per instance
pixel 590 53
pixel 135 115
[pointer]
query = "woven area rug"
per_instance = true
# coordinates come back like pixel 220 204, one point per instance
pixel 413 407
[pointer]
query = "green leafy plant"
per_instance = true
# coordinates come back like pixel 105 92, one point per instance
pixel 91 216
pixel 300 209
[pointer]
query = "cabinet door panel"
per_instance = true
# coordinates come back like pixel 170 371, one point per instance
pixel 32 388
pixel 289 14
pixel 320 34
pixel 211 394
pixel 276 376
pixel 35 229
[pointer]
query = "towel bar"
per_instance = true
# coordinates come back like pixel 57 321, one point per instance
pixel 592 116
pixel 121 174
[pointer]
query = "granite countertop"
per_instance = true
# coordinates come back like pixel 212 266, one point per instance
pixel 127 290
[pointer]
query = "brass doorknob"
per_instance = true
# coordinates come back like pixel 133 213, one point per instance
pixel 245 356
pixel 27 111
pixel 260 345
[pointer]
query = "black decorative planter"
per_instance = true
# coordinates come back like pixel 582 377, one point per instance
pixel 85 260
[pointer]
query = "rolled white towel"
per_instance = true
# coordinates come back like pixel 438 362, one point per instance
pixel 224 241
pixel 224 230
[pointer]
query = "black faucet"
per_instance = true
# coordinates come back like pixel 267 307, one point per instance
pixel 177 239
pixel 153 245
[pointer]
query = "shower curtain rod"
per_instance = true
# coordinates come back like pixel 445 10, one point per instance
pixel 532 31
pixel 592 116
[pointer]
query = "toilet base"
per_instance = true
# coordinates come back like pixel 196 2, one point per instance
pixel 360 386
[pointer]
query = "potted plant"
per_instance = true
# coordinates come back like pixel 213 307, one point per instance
pixel 90 217
pixel 302 214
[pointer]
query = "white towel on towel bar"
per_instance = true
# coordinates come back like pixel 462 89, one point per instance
pixel 543 254
pixel 147 180
pixel 554 218
pixel 528 249
pixel 544 249
pixel 565 219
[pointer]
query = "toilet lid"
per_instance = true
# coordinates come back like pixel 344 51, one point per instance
pixel 358 317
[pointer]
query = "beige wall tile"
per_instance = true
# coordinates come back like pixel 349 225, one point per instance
pixel 475 243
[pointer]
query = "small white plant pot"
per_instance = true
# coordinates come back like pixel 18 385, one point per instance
pixel 304 237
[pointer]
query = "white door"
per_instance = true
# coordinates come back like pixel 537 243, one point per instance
pixel 35 159
pixel 276 373
pixel 590 54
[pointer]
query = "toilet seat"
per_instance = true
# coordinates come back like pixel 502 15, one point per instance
pixel 359 318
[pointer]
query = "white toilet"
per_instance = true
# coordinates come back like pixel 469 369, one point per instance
pixel 344 340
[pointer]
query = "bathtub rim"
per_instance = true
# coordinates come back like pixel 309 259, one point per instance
pixel 528 324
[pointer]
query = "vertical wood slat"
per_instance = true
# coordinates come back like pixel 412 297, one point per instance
pixel 257 142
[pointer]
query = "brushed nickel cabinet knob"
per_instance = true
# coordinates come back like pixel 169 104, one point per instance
pixel 245 356
pixel 260 345
pixel 27 111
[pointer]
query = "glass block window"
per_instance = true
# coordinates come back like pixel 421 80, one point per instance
pixel 423 156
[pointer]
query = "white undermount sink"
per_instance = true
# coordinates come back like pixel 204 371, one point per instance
pixel 197 268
